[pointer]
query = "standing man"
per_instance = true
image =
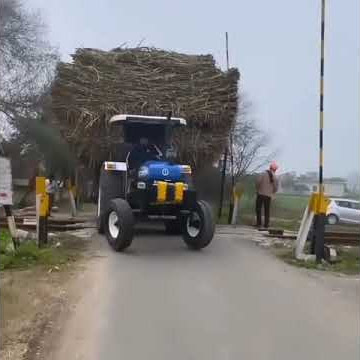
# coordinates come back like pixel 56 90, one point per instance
pixel 266 187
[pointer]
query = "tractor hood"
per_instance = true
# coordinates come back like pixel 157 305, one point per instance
pixel 163 171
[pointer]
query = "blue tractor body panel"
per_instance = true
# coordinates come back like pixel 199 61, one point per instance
pixel 164 171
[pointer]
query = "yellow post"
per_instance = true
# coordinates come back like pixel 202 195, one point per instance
pixel 237 193
pixel 319 203
pixel 72 193
pixel 40 185
pixel 42 210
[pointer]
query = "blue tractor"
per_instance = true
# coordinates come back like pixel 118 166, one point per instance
pixel 144 182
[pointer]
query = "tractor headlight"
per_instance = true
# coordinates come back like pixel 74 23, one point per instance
pixel 185 169
pixel 143 172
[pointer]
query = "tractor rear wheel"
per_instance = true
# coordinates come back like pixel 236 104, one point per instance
pixel 111 186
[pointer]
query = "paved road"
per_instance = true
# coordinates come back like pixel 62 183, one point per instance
pixel 232 301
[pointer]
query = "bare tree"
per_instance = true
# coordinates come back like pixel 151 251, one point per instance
pixel 27 61
pixel 27 68
pixel 250 144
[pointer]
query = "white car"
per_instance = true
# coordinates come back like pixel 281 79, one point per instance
pixel 344 211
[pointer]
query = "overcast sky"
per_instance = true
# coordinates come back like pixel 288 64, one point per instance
pixel 275 45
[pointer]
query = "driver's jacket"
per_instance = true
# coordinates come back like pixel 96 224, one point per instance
pixel 140 154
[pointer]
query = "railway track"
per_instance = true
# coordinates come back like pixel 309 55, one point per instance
pixel 350 238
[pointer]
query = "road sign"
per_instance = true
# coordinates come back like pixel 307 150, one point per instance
pixel 6 195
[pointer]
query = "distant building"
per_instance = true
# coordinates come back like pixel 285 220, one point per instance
pixel 333 187
pixel 353 183
pixel 309 182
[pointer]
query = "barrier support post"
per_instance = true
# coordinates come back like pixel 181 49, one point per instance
pixel 42 211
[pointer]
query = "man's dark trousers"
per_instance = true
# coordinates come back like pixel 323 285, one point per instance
pixel 263 201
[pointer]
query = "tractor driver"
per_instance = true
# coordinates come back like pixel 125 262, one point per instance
pixel 141 153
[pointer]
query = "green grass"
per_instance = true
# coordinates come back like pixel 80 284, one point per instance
pixel 286 211
pixel 5 240
pixel 285 224
pixel 28 254
pixel 289 206
pixel 291 202
pixel 224 215
pixel 348 261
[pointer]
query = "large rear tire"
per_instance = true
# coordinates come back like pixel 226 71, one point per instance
pixel 111 186
pixel 199 226
pixel 119 227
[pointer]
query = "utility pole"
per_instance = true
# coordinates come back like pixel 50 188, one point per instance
pixel 223 173
pixel 231 205
pixel 320 218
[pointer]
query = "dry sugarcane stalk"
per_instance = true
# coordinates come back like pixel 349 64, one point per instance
pixel 99 84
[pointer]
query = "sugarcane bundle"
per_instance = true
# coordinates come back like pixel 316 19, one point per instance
pixel 98 84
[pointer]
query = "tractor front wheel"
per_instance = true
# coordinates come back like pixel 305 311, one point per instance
pixel 199 226
pixel 119 227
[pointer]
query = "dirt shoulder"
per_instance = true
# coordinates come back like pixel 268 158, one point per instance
pixel 33 299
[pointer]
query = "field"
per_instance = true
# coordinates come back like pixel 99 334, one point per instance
pixel 286 211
